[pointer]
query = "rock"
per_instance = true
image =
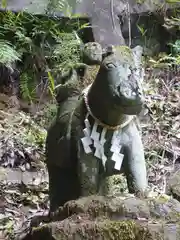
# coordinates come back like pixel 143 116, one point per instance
pixel 16 176
pixel 150 47
pixel 173 185
pixel 80 7
pixel 117 217
pixel 111 18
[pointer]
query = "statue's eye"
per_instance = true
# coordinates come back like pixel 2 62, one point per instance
pixel 110 65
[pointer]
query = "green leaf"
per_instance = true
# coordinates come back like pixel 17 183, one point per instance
pixel 51 81
pixel 172 1
pixel 8 54
pixel 4 3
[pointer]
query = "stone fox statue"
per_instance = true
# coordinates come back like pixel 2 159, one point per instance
pixel 96 136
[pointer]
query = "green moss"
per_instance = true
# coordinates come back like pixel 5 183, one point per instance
pixel 81 227
pixel 124 230
pixel 97 208
pixel 125 53
pixel 115 184
pixel 125 50
pixel 127 230
pixel 109 230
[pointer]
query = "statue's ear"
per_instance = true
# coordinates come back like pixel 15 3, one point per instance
pixel 110 49
pixel 137 55
pixel 92 53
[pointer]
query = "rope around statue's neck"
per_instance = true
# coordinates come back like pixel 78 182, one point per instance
pixel 85 96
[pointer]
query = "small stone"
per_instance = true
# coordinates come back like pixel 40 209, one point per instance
pixel 28 166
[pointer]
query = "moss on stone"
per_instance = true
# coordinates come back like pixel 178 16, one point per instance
pixel 124 230
pixel 125 53
pixel 97 208
pixel 111 218
pixel 110 230
pixel 115 184
pixel 106 230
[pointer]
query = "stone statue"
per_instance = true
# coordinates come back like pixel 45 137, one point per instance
pixel 96 136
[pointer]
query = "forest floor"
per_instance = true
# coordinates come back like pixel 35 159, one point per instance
pixel 23 175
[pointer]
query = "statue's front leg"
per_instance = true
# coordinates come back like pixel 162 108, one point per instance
pixel 88 173
pixel 135 165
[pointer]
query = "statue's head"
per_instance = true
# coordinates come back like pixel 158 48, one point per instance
pixel 120 78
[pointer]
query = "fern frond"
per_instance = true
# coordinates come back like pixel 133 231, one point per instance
pixel 63 6
pixel 4 3
pixel 24 86
pixel 8 54
pixel 67 51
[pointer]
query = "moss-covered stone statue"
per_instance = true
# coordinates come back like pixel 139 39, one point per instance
pixel 96 136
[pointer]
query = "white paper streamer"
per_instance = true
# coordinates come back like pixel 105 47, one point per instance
pixel 98 140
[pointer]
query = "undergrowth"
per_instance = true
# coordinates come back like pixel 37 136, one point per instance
pixel 37 46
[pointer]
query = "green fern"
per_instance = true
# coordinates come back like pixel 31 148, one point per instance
pixel 27 87
pixel 63 6
pixel 24 86
pixel 67 51
pixel 43 43
pixel 8 54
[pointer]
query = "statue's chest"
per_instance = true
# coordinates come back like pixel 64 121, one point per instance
pixel 104 144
